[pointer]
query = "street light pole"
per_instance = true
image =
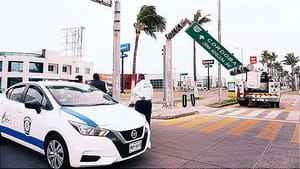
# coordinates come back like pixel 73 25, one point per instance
pixel 116 52
pixel 116 46
pixel 219 39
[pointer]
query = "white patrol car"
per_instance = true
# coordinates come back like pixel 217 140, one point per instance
pixel 72 124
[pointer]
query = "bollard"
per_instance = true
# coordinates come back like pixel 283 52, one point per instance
pixel 184 100
pixel 193 101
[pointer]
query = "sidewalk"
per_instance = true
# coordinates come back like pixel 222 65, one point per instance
pixel 159 111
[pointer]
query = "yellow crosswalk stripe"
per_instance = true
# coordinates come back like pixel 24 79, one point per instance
pixel 218 125
pixel 179 120
pixel 296 136
pixel 270 131
pixel 289 108
pixel 242 127
pixel 197 122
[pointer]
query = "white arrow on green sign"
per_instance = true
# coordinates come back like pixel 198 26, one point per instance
pixel 213 47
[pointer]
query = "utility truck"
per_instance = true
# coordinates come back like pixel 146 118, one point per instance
pixel 258 87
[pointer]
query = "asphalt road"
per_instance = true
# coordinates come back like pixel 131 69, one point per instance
pixel 228 137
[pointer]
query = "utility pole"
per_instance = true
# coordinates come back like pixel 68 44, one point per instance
pixel 116 52
pixel 219 39
pixel 116 46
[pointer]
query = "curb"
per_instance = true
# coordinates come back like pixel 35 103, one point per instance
pixel 174 116
pixel 222 105
pixel 162 117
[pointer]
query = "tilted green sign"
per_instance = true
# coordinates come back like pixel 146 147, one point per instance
pixel 213 47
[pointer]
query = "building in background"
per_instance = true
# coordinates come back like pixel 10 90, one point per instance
pixel 179 82
pixel 19 66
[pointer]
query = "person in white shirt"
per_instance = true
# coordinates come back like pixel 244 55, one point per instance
pixel 143 94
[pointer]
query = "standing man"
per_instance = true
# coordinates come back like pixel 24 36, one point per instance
pixel 98 83
pixel 143 93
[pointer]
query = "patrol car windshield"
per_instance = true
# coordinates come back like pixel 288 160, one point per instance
pixel 79 95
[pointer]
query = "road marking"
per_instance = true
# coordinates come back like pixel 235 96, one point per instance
pixel 294 115
pixel 254 118
pixel 289 108
pixel 218 125
pixel 242 127
pixel 237 112
pixel 255 113
pixel 222 111
pixel 197 122
pixel 296 136
pixel 270 131
pixel 179 120
pixel 273 114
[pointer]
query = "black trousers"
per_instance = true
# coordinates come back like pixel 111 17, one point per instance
pixel 144 107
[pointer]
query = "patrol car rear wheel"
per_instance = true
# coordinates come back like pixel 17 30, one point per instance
pixel 56 152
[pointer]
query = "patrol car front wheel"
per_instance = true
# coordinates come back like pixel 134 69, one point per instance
pixel 56 152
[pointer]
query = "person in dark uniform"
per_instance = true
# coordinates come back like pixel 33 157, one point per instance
pixel 143 93
pixel 98 83
pixel 79 79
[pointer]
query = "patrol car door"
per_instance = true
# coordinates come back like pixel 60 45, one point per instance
pixel 31 121
pixel 11 106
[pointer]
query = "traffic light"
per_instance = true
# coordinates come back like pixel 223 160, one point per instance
pixel 239 70
pixel 163 50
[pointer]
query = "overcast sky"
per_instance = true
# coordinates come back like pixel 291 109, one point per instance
pixel 247 25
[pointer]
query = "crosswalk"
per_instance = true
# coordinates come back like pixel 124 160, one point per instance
pixel 268 114
pixel 266 124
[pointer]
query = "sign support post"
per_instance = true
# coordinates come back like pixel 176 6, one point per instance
pixel 169 74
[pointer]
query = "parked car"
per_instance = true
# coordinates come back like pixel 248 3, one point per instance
pixel 72 124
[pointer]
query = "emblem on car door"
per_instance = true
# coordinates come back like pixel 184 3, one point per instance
pixel 27 125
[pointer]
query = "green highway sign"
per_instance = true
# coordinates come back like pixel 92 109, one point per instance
pixel 212 46
pixel 183 74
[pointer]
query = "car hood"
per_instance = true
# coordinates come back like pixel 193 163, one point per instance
pixel 115 117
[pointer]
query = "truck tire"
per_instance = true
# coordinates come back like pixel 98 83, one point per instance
pixel 274 104
pixel 277 105
pixel 243 103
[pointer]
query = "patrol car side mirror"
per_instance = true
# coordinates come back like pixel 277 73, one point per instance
pixel 34 104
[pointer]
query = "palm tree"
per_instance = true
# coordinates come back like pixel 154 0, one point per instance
pixel 150 22
pixel 264 57
pixel 268 59
pixel 292 60
pixel 200 20
pixel 270 65
pixel 277 68
pixel 285 75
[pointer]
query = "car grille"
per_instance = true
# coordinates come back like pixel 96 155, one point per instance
pixel 124 148
pixel 127 135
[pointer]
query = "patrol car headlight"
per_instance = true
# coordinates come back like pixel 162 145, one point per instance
pixel 88 130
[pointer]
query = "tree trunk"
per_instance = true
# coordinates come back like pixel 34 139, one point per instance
pixel 293 79
pixel 134 56
pixel 134 68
